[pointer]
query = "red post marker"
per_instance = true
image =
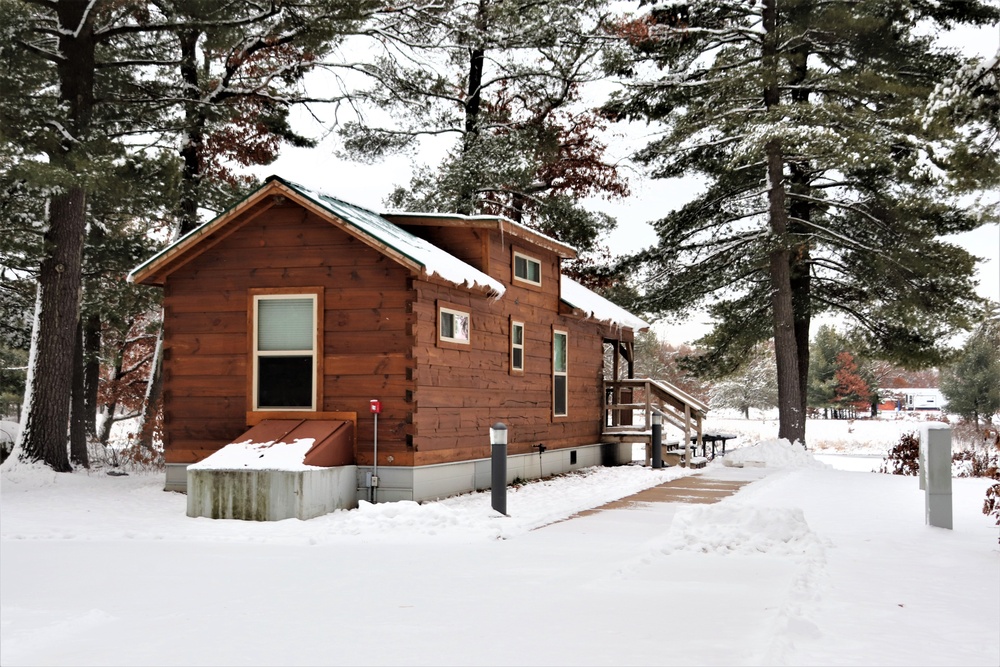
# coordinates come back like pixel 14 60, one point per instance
pixel 375 407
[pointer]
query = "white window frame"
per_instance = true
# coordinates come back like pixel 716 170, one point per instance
pixel 454 312
pixel 564 373
pixel 529 260
pixel 257 354
pixel 516 346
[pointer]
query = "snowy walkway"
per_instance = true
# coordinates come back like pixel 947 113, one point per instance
pixel 806 565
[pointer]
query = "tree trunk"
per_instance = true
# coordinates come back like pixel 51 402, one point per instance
pixel 791 425
pixel 78 407
pixel 91 372
pixel 154 390
pixel 192 149
pixel 50 369
pixel 57 310
pixel 791 414
pixel 466 204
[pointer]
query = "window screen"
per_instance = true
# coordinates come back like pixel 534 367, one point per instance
pixel 285 324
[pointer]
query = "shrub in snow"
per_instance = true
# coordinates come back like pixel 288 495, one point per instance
pixel 902 459
pixel 991 506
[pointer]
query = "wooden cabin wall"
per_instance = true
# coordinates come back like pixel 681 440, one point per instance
pixel 367 332
pixel 466 243
pixel 462 392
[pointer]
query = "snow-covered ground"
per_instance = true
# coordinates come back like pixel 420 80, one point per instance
pixel 805 565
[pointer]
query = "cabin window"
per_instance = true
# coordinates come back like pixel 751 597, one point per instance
pixel 517 346
pixel 453 325
pixel 284 351
pixel 527 269
pixel 560 384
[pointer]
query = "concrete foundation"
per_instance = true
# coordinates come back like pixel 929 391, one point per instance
pixel 301 493
pixel 270 495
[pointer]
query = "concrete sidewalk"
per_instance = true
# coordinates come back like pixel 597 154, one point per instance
pixel 706 486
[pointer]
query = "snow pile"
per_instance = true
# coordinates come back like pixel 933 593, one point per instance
pixel 250 455
pixel 772 454
pixel 729 528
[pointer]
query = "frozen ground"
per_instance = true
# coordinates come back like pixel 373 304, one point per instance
pixel 806 565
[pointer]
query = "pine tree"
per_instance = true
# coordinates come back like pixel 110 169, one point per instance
pixel 505 78
pixel 111 68
pixel 972 384
pixel 755 385
pixel 824 191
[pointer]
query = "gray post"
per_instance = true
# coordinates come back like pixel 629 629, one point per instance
pixel 657 441
pixel 498 467
pixel 922 460
pixel 935 440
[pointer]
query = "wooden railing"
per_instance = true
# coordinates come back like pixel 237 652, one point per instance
pixel 623 399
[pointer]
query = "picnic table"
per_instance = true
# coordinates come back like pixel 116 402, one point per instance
pixel 714 439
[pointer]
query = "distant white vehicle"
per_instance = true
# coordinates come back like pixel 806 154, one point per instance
pixel 909 399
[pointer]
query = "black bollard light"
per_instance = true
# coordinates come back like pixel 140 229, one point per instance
pixel 498 467
pixel 657 441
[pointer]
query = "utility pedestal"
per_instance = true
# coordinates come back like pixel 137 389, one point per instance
pixel 935 473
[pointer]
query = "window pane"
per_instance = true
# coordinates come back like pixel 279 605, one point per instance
pixel 517 358
pixel 454 326
pixel 518 334
pixel 284 382
pixel 534 272
pixel 461 327
pixel 447 325
pixel 559 406
pixel 521 267
pixel 559 353
pixel 285 324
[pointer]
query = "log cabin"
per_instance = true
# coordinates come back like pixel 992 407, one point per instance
pixel 292 312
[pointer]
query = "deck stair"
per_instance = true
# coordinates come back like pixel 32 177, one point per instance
pixel 627 400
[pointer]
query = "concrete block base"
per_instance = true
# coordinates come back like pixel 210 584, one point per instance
pixel 275 495
pixel 270 495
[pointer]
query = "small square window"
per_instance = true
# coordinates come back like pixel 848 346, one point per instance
pixel 453 325
pixel 527 269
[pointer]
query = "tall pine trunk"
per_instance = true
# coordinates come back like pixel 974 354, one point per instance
pixel 791 424
pixel 791 396
pixel 50 370
pixel 466 204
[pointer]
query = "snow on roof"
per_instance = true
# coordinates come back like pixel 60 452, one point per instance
pixel 503 223
pixel 432 258
pixel 597 307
